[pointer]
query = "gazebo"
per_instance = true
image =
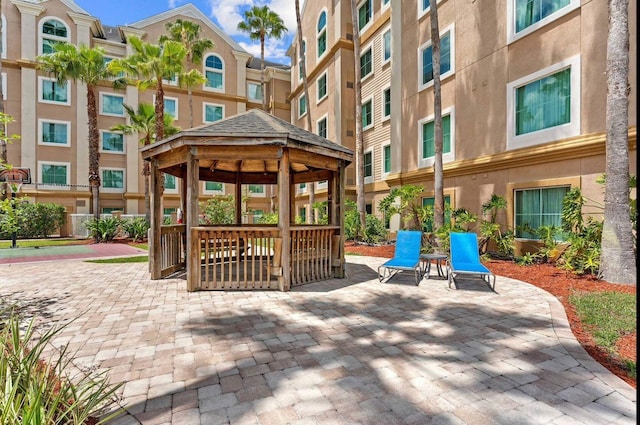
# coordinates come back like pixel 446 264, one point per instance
pixel 250 148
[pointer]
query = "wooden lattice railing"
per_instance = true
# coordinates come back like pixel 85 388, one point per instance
pixel 172 240
pixel 312 253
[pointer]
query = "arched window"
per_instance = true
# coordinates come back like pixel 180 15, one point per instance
pixel 53 31
pixel 214 72
pixel 322 33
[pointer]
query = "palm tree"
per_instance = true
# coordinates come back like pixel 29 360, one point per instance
pixel 262 23
pixel 86 65
pixel 153 63
pixel 143 123
pixel 359 140
pixel 438 176
pixel 617 263
pixel 3 130
pixel 188 34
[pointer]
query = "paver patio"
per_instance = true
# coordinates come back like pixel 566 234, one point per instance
pixel 350 351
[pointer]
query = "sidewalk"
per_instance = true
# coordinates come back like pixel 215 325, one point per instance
pixel 67 252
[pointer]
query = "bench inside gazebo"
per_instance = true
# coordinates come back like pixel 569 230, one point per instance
pixel 250 148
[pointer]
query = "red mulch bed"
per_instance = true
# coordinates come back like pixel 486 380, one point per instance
pixel 560 284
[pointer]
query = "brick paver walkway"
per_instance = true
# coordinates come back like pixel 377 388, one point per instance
pixel 350 351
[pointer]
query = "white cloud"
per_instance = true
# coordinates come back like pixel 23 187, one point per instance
pixel 174 3
pixel 227 14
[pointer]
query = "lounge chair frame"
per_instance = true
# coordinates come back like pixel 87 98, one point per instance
pixel 406 257
pixel 471 264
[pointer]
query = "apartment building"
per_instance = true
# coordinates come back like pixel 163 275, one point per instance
pixel 523 98
pixel 52 118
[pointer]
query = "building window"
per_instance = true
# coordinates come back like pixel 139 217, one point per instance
pixel 538 207
pixel 3 78
pixel 427 136
pixel 170 183
pixel 386 159
pixel 254 91
pixel 424 6
pixel 112 142
pixel 302 213
pixel 430 202
pixel 368 165
pixel 54 174
pixel 544 106
pixel 386 46
pixel 301 58
pixel 302 187
pixel 256 190
pixel 367 114
pixel 322 33
pixel 526 16
pixel 213 188
pixel 322 126
pixel 171 107
pixel 386 103
pixel 214 72
pixel 302 106
pixel 322 87
pixel 51 91
pixel 368 209
pixel 112 104
pixel 366 63
pixel 55 133
pixel 212 113
pixel 53 31
pixel 447 67
pixel 365 14
pixel 3 37
pixel 112 179
pixel 385 4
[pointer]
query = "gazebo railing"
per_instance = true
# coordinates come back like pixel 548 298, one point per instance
pixel 312 252
pixel 172 258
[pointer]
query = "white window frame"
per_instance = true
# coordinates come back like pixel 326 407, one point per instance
pixel 384 89
pixel 304 189
pixel 319 33
pixel 451 29
pixel 368 47
pixel 384 6
pixel 3 20
pixel 46 186
pixel 306 108
pixel 322 185
pixel 171 82
pixel 175 99
pixel 101 111
pixel 42 121
pixel 67 86
pixel 383 173
pixel 304 44
pixel 206 191
pixel 259 85
pixel 326 94
pixel 325 117
pixel 124 143
pixel 368 24
pixel 257 195
pixel 369 179
pixel 512 36
pixel 41 36
pixel 552 133
pixel 204 112
pixel 384 32
pixel 222 71
pixel 171 191
pixel 3 78
pixel 113 189
pixel 446 157
pixel 373 115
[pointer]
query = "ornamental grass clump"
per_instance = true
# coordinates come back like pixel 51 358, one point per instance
pixel 44 391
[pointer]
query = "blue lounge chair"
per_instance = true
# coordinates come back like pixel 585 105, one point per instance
pixel 465 259
pixel 406 256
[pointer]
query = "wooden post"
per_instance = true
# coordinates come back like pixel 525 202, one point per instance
pixel 339 218
pixel 331 199
pixel 155 258
pixel 284 220
pixel 192 213
pixel 238 199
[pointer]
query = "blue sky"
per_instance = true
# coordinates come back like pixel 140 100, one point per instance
pixel 224 13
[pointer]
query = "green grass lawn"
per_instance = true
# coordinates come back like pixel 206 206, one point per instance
pixel 136 259
pixel 30 243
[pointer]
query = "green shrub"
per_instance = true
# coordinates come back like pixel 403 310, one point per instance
pixel 136 228
pixel 218 210
pixel 375 232
pixel 351 220
pixel 38 391
pixel 269 218
pixel 104 229
pixel 28 220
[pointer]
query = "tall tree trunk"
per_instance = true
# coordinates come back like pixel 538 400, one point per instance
pixel 264 92
pixel 359 141
pixel 159 108
pixel 94 151
pixel 190 97
pixel 305 85
pixel 617 263
pixel 438 178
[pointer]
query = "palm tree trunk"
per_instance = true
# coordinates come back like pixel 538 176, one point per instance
pixel 190 97
pixel 617 263
pixel 359 141
pixel 438 178
pixel 264 92
pixel 159 107
pixel 94 151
